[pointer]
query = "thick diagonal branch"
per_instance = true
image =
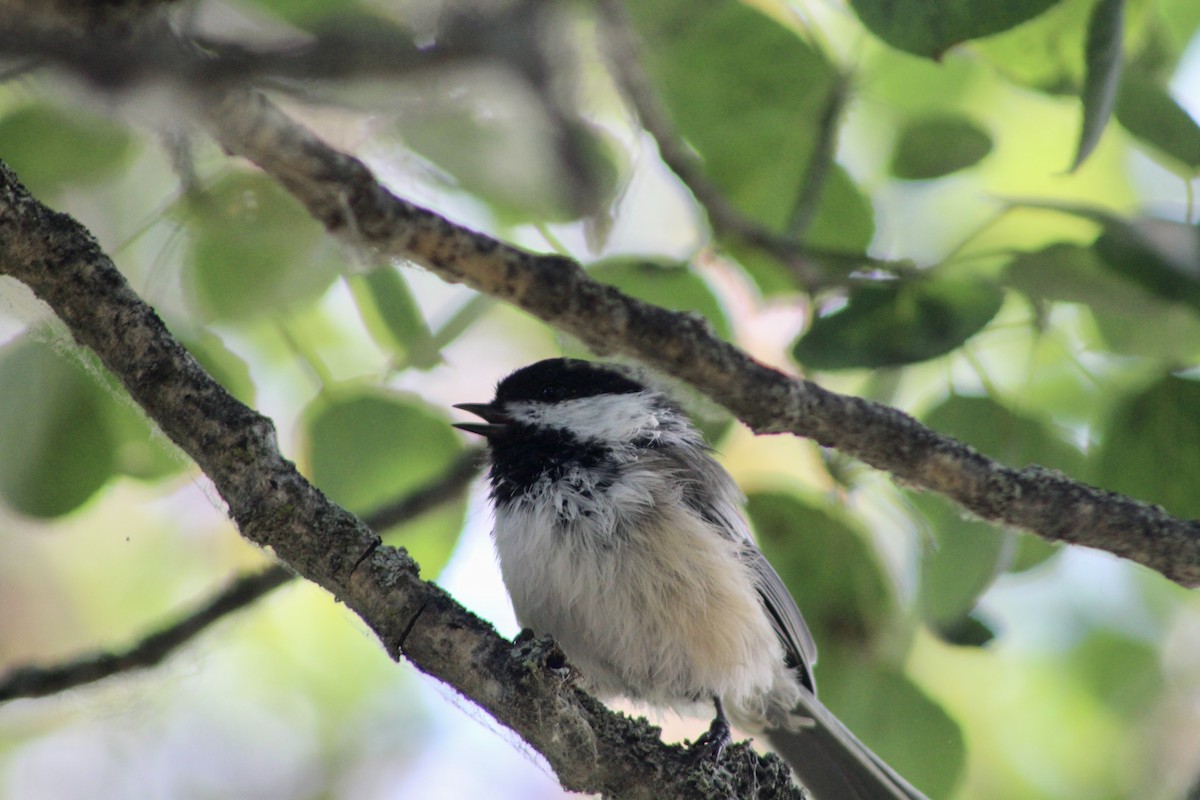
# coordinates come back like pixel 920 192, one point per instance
pixel 341 192
pixel 523 685
pixel 39 680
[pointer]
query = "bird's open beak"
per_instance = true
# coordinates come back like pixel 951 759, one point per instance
pixel 495 420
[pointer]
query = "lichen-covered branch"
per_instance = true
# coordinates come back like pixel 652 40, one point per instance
pixel 341 192
pixel 525 685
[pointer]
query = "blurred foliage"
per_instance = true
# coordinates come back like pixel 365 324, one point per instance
pixel 998 198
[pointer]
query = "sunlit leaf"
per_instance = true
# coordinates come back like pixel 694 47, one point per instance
pixel 674 286
pixel 55 429
pixel 1104 58
pixel 140 450
pixel 1032 551
pixel 898 322
pixel 255 251
pixel 931 27
pixel 1045 53
pixel 391 315
pixel 368 448
pixel 747 95
pixel 935 146
pixel 1150 448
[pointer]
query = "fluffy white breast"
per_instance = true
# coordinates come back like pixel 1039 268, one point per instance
pixel 643 595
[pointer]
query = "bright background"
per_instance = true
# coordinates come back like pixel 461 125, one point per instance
pixel 980 663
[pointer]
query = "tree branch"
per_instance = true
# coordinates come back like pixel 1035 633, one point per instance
pixel 39 681
pixel 341 192
pixel 525 685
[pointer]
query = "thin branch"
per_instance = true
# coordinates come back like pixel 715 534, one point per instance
pixel 39 681
pixel 820 163
pixel 448 486
pixel 341 192
pixel 814 268
pixel 115 62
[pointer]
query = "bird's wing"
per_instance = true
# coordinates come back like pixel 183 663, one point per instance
pixel 799 648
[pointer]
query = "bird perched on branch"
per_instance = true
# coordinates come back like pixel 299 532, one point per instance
pixel 619 535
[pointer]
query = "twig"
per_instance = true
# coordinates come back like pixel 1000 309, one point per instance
pixel 558 291
pixel 39 681
pixel 242 591
pixel 814 268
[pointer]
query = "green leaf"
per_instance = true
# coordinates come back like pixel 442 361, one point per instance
pixel 1012 439
pixel 368 448
pixel 1045 53
pixel 50 149
pixel 964 559
pixel 967 631
pixel 830 569
pixel 931 27
pixel 1145 109
pixel 1130 318
pixel 938 145
pixel 55 426
pixel 968 554
pixel 225 366
pixel 1150 448
pixel 1032 552
pixel 845 220
pixel 1105 60
pixel 391 315
pixel 140 449
pixel 256 250
pixel 898 322
pixel 1125 673
pixel 306 13
pixel 898 721
pixel 747 95
pixel 1160 255
pixel 495 139
pixel 673 286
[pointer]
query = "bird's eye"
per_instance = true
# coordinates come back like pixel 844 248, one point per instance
pixel 549 392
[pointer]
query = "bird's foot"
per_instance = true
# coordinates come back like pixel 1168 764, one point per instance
pixel 710 746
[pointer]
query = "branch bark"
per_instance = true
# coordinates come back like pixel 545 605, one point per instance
pixel 525 684
pixel 343 194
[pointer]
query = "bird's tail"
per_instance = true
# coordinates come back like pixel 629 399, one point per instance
pixel 831 762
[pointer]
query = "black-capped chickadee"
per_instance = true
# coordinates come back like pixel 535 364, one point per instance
pixel 619 535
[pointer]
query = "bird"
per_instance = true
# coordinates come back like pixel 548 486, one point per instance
pixel 619 534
